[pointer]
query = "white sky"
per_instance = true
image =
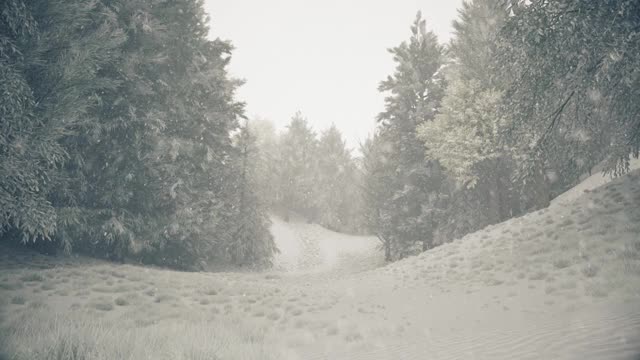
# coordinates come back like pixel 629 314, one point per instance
pixel 322 57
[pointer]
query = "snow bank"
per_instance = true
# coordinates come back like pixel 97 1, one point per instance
pixel 310 248
pixel 559 283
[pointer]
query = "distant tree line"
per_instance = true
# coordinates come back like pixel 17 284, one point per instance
pixel 527 97
pixel 120 134
pixel 309 175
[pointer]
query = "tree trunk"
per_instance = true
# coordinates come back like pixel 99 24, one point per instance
pixel 387 247
pixel 427 241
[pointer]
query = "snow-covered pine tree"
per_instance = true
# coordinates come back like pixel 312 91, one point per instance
pixel 52 53
pixel 465 135
pixel 160 157
pixel 415 91
pixel 298 166
pixel 335 177
pixel 267 162
pixel 194 111
pixel 571 67
pixel 378 176
pixel 465 132
pixel 251 243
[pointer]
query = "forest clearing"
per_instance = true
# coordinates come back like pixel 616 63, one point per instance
pixel 286 179
pixel 550 284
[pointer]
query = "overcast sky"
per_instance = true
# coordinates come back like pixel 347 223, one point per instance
pixel 322 57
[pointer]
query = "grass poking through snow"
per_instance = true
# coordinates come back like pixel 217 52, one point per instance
pixel 44 336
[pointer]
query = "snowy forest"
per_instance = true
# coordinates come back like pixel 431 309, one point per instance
pixel 149 211
pixel 121 136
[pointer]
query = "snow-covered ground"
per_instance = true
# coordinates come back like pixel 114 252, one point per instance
pixel 560 283
pixel 594 181
pixel 310 248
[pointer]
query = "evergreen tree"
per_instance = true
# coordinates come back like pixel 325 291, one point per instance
pixel 118 187
pixel 465 136
pixel 267 162
pixel 117 133
pixel 251 241
pixel 335 174
pixel 298 149
pixel 158 177
pixel 465 133
pixel 52 56
pixel 415 92
pixel 571 69
pixel 377 191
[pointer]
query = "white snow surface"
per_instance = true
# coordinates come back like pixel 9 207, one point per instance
pixel 597 179
pixel 311 248
pixel 559 283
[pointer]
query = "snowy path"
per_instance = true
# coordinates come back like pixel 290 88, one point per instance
pixel 312 249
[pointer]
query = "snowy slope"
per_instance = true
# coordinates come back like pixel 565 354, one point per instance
pixel 596 180
pixel 309 248
pixel 560 283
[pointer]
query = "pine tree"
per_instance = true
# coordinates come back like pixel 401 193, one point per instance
pixel 118 187
pixel 465 136
pixel 335 174
pixel 298 148
pixel 193 157
pixel 251 241
pixel 267 163
pixel 117 132
pixel 52 56
pixel 571 70
pixel 415 92
pixel 158 160
pixel 377 191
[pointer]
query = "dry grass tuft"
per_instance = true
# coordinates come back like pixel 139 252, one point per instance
pixel 121 301
pixel 40 335
pixel 102 305
pixel 18 300
pixel 568 285
pixel 539 275
pixel 561 263
pixel 211 292
pixel 116 289
pixel 32 277
pixel 10 286
pixel 590 270
pixel 204 301
pixel 596 289
pixel 493 282
pixel 47 286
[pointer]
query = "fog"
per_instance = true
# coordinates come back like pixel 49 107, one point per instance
pixel 320 53
pixel 196 179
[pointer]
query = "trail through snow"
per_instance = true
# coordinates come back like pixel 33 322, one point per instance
pixel 310 248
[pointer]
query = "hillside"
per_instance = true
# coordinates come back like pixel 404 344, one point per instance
pixel 310 248
pixel 560 283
